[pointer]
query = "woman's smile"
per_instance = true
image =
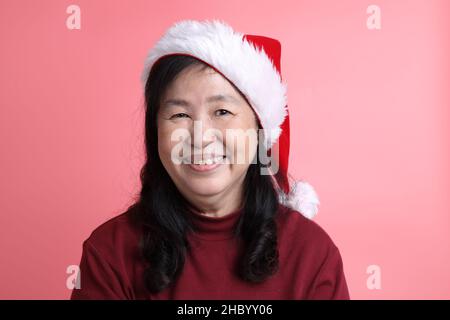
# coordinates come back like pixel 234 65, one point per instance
pixel 207 164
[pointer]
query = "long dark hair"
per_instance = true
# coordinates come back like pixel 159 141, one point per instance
pixel 160 208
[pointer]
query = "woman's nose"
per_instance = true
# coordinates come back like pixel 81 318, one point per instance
pixel 203 133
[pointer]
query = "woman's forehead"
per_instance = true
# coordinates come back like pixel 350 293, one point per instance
pixel 214 98
pixel 200 83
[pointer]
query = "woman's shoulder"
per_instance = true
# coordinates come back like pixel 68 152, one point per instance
pixel 308 251
pixel 110 265
pixel 118 233
pixel 303 232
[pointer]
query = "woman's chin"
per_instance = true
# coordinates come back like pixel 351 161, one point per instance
pixel 206 185
pixel 206 189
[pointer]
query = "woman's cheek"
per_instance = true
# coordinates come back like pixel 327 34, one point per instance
pixel 242 154
pixel 165 144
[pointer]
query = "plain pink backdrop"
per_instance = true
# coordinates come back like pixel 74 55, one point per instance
pixel 370 129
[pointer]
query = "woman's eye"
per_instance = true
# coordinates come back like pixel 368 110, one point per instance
pixel 179 115
pixel 222 112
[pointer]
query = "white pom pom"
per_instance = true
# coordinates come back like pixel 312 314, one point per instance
pixel 301 198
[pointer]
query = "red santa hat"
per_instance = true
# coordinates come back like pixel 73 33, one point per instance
pixel 252 64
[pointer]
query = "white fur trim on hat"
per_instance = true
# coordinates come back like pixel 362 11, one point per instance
pixel 301 198
pixel 247 67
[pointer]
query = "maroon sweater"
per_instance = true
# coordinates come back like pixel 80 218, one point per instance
pixel 310 264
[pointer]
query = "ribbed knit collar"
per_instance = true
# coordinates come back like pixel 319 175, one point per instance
pixel 215 228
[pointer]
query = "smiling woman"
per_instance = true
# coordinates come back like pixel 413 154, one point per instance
pixel 214 188
pixel 213 227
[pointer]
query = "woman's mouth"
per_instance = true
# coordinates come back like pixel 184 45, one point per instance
pixel 206 165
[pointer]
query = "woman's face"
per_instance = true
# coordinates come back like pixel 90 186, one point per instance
pixel 208 124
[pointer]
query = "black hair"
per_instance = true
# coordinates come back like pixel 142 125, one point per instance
pixel 161 209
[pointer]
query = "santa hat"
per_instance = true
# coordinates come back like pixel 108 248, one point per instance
pixel 252 64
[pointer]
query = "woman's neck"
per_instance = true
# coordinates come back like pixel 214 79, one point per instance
pixel 219 205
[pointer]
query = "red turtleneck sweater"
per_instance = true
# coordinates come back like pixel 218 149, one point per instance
pixel 310 264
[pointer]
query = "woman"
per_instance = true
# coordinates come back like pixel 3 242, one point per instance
pixel 215 219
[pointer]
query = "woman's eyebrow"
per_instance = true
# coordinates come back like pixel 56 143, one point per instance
pixel 215 98
pixel 222 97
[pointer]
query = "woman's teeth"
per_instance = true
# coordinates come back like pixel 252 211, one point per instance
pixel 209 161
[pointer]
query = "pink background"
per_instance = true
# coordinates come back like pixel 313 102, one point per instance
pixel 369 109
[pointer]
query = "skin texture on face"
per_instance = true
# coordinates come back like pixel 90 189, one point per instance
pixel 217 192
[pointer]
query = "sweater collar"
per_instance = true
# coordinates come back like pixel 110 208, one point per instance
pixel 215 228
